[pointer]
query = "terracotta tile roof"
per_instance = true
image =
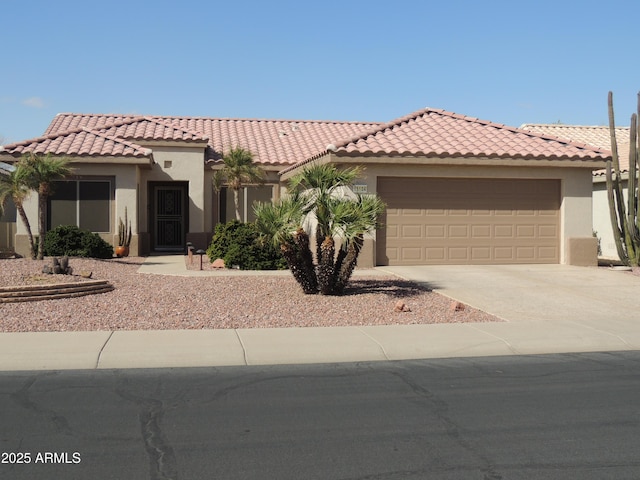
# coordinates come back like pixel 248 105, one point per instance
pixel 78 142
pixel 597 136
pixel 441 134
pixel 147 128
pixel 275 142
pixel 428 132
pixel 445 134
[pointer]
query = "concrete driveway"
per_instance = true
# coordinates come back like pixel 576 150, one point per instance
pixel 536 292
pixel 595 298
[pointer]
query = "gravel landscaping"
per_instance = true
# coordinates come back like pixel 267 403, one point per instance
pixel 162 302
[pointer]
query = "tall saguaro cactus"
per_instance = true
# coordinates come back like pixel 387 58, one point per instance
pixel 625 220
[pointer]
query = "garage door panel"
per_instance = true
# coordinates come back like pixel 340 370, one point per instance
pixel 481 254
pixel 526 231
pixel 435 231
pixel 548 231
pixel 481 231
pixel 435 254
pixel 549 253
pixel 503 231
pixel 409 231
pixel 458 231
pixel 467 221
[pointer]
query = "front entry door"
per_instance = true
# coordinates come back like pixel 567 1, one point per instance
pixel 170 212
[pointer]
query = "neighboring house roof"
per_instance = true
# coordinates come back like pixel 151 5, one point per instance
pixel 275 142
pixel 598 136
pixel 437 133
pixel 6 169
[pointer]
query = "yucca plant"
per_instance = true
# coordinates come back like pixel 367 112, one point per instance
pixel 320 200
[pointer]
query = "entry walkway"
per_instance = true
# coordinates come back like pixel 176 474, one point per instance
pixel 547 308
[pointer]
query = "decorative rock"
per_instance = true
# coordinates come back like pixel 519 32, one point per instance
pixel 218 263
pixel 85 274
pixel 457 307
pixel 401 307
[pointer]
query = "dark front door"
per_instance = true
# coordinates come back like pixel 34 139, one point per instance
pixel 170 218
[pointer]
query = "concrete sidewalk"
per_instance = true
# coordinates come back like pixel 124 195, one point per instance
pixel 548 309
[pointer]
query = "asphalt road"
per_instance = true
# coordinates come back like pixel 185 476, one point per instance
pixel 536 417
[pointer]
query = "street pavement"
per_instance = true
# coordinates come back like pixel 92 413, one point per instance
pixel 546 309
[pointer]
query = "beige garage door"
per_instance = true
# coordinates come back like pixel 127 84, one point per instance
pixel 468 221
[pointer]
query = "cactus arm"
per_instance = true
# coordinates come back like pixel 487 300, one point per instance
pixel 633 241
pixel 616 207
pixel 617 234
pixel 636 161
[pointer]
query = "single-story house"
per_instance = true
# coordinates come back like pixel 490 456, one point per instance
pixel 458 189
pixel 599 137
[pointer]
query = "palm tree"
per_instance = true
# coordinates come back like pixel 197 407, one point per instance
pixel 39 174
pixel 320 195
pixel 13 186
pixel 238 170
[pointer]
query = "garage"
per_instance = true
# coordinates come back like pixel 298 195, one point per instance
pixel 468 221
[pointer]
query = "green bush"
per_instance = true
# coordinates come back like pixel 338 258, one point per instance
pixel 69 240
pixel 237 244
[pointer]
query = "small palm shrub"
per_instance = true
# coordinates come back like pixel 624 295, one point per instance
pixel 239 244
pixel 70 241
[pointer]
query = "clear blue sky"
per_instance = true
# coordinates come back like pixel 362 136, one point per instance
pixel 508 61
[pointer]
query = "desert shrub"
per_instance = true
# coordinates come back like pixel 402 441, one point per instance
pixel 69 240
pixel 238 244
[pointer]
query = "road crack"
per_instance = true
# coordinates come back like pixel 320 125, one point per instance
pixel 452 429
pixel 162 458
pixel 23 398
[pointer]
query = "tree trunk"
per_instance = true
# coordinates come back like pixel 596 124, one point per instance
pixel 349 264
pixel 42 227
pixel 236 203
pixel 342 254
pixel 27 226
pixel 299 272
pixel 325 266
pixel 301 240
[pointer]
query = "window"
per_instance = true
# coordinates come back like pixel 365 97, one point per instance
pixel 8 213
pixel 84 203
pixel 247 197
